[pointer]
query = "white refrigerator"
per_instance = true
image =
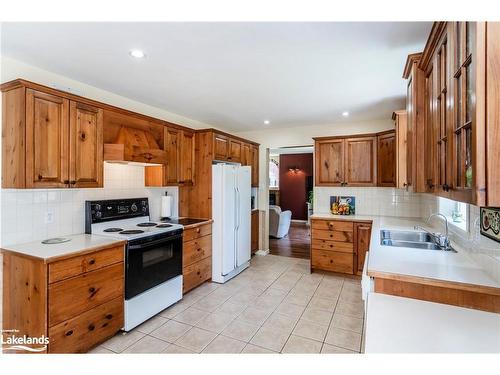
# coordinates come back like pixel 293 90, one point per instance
pixel 231 214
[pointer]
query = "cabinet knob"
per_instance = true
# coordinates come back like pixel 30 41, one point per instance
pixel 197 230
pixel 109 316
pixel 92 291
pixel 198 273
pixel 83 136
pixel 72 182
pixel 92 261
pixel 69 333
pixel 91 327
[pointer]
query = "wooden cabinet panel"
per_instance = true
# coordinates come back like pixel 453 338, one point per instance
pixel 333 235
pixel 71 297
pixel 79 334
pixel 85 146
pixel 399 118
pixel 221 147
pixel 172 146
pixel 361 156
pixel 196 250
pixel 329 162
pixel 196 232
pixel 343 247
pixel 338 225
pixel 234 150
pixel 386 159
pixel 187 159
pixel 255 226
pixel 47 136
pixel 255 166
pixel 196 274
pixel 75 266
pixel 246 154
pixel 362 235
pixel 332 261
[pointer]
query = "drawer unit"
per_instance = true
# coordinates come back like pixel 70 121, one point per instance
pixel 333 225
pixel 75 266
pixel 71 297
pixel 332 235
pixel 332 261
pixel 197 232
pixel 79 334
pixel 344 247
pixel 196 250
pixel 196 274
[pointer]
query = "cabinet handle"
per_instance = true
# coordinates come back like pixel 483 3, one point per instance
pixel 198 249
pixel 65 182
pixel 92 291
pixel 69 333
pixel 92 261
pixel 198 272
pixel 40 177
pixel 91 327
pixel 83 136
pixel 109 316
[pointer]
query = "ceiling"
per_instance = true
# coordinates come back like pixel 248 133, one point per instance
pixel 233 75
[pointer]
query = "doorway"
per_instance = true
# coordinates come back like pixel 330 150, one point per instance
pixel 290 199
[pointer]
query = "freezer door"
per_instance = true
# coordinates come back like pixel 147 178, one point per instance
pixel 228 219
pixel 243 187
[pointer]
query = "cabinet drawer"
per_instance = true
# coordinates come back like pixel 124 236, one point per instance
pixel 344 247
pixel 196 274
pixel 84 331
pixel 71 297
pixel 338 225
pixel 196 232
pixel 332 261
pixel 332 235
pixel 196 250
pixel 67 268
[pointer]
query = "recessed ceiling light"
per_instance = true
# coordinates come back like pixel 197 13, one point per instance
pixel 137 53
pixel 345 114
pixel 267 122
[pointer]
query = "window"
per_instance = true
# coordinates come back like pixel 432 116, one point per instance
pixel 274 171
pixel 455 212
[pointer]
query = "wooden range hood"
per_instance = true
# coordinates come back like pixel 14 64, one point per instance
pixel 134 145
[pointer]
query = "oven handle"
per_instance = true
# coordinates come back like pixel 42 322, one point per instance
pixel 148 244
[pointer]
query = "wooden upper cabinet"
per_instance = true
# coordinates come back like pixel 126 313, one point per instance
pixel 221 147
pixel 399 118
pixel 329 162
pixel 187 150
pixel 360 161
pixel 246 154
pixel 415 124
pixel 86 146
pixel 386 159
pixel 255 166
pixel 234 150
pixel 172 146
pixel 47 138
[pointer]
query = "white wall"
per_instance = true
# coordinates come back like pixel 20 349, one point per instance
pixel 23 210
pixel 270 137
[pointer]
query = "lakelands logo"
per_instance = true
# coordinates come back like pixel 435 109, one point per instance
pixel 10 341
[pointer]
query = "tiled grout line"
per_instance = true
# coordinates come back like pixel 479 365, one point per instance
pixel 333 314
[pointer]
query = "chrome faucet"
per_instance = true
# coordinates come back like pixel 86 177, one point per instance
pixel 440 239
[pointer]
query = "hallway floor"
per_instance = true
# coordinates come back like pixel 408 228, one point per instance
pixel 275 306
pixel 296 244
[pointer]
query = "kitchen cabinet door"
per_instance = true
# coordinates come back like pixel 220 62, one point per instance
pixel 386 160
pixel 86 146
pixel 254 245
pixel 47 127
pixel 221 147
pixel 246 154
pixel 399 118
pixel 187 158
pixel 172 146
pixel 360 160
pixel 255 166
pixel 234 150
pixel 329 162
pixel 362 234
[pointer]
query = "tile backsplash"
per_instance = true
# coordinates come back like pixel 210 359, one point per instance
pixel 371 201
pixel 24 212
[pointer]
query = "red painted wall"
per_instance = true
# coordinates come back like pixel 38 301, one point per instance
pixel 293 185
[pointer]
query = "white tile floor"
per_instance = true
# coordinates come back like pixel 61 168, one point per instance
pixel 275 306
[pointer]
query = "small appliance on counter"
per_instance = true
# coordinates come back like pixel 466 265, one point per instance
pixel 153 255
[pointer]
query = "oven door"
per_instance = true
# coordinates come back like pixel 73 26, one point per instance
pixel 151 261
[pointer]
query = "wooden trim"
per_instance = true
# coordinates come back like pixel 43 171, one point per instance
pixel 410 60
pixel 450 296
pixel 220 132
pixel 435 282
pixel 438 28
pixel 330 137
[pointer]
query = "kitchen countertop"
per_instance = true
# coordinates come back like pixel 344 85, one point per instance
pixel 405 325
pixel 80 243
pixel 424 264
pixel 207 221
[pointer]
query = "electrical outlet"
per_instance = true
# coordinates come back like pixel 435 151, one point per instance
pixel 49 217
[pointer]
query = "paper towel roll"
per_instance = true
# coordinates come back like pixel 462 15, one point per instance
pixel 166 206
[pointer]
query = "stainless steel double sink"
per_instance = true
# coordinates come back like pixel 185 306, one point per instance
pixel 413 239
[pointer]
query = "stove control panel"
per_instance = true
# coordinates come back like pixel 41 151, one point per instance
pixel 114 209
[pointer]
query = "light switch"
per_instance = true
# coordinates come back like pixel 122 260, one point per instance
pixel 49 217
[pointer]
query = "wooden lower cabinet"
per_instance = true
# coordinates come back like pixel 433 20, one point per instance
pixel 339 245
pixel 255 224
pixel 76 302
pixel 196 256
